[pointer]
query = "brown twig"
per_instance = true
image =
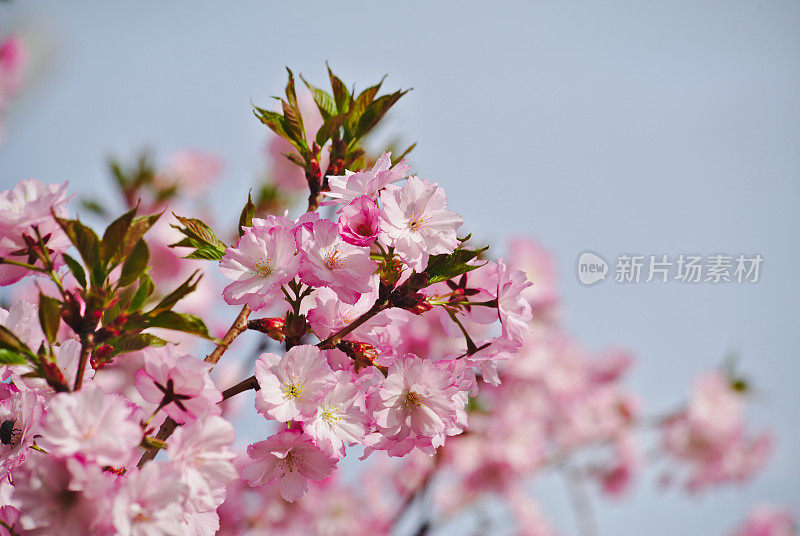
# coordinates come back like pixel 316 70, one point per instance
pixel 86 349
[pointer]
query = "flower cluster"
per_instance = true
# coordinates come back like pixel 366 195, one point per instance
pixel 381 331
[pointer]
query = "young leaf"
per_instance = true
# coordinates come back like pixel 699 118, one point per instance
pixel 87 243
pixel 246 217
pixel 186 288
pixel 443 267
pixel 273 120
pixel 325 103
pixel 340 94
pixel 375 112
pixel 112 237
pixel 49 316
pixel 131 342
pixel 143 291
pixel 330 129
pixel 10 341
pixel 76 269
pixel 134 264
pixel 181 322
pixel 200 237
pixel 10 357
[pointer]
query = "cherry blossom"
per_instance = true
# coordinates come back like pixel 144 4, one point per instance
pixel 150 501
pixel 331 262
pixel 262 260
pixel 345 189
pixel 289 460
pixel 292 384
pixel 178 384
pixel 359 222
pixel 96 425
pixel 23 210
pixel 417 223
pixel 22 412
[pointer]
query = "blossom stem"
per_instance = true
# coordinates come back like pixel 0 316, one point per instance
pixel 237 328
pixel 27 266
pixel 334 339
pixel 9 528
pixel 242 386
pixel 87 343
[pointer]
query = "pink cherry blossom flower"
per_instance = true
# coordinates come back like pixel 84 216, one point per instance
pixel 96 425
pixel 345 189
pixel 28 205
pixel 262 260
pixel 515 312
pixel 59 496
pixel 200 452
pixel 417 223
pixel 178 384
pixel 331 262
pixel 340 417
pixel 419 400
pixel 540 268
pixel 291 385
pixel 288 459
pixel 150 502
pixel 765 520
pixel 20 413
pixel 360 222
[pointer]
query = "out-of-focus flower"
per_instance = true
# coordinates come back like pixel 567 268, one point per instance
pixel 200 452
pixel 27 206
pixel 190 172
pixel 92 424
pixel 768 521
pixel 62 496
pixel 150 502
pixel 20 413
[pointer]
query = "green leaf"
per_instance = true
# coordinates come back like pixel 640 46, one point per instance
pixel 49 316
pixel 273 120
pixel 113 236
pixel 131 342
pixel 181 322
pixel 10 357
pixel 330 127
pixel 325 103
pixel 293 124
pixel 186 288
pixel 136 232
pixel 10 341
pixel 200 237
pixel 375 112
pixel 364 99
pixel 143 291
pixel 246 217
pixel 88 245
pixel 135 263
pixel 443 267
pixel 340 94
pixel 76 269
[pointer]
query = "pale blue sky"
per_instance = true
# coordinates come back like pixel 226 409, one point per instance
pixel 648 127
